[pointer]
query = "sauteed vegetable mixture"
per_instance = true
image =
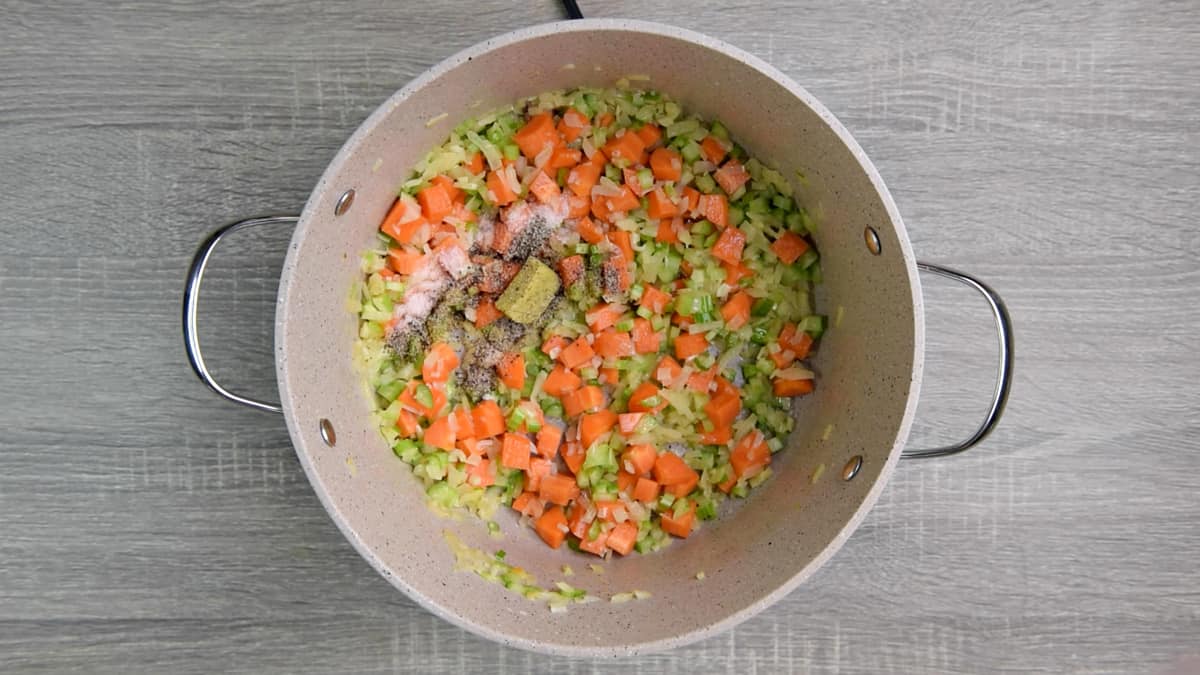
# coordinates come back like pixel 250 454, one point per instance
pixel 594 309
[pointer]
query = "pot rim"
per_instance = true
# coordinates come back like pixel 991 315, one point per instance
pixel 350 147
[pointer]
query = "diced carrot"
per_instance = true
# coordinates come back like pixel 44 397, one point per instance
pixel 457 196
pixel 405 260
pixel 440 433
pixel 797 341
pixel 750 455
pixel 544 189
pixel 408 423
pixel 576 354
pixel 668 230
pixel 596 546
pixel 683 488
pixel 481 475
pixel 716 209
pixel 464 424
pixel 627 422
pixel 602 209
pixel 552 526
pixel 722 409
pixel 462 214
pixel 594 425
pixel 409 400
pixel 470 446
pixel 589 231
pixel 615 273
pixel 667 370
pixel 602 316
pixel 439 363
pixel 727 485
pixel 782 358
pixel 549 437
pixel 728 247
pixel 650 134
pixel 563 158
pixel 735 273
pixel 632 181
pixel 701 380
pixel 789 247
pixel 645 339
pixel 654 299
pixel 713 149
pixel 496 273
pixel 732 176
pixel 645 490
pixel 474 163
pixel 554 345
pixel 666 164
pixel 681 526
pixel 539 468
pixel 669 470
pixel 691 197
pixel 407 232
pixel 622 240
pixel 511 369
pixel 489 421
pixel 537 133
pixel 610 375
pixel 583 177
pixel 560 382
pixel 578 207
pixel 514 451
pixel 529 504
pixel 387 273
pixel 625 481
pixel 573 454
pixel 498 190
pixel 688 345
pixel 718 436
pixel 680 320
pixel 608 508
pixel 613 344
pixel 659 205
pixel 486 312
pixel 645 398
pixel 577 517
pixel 605 119
pixel 572 124
pixel 558 489
pixel 582 400
pixel 622 537
pixel 626 201
pixel 639 459
pixel 736 310
pixel 783 387
pixel 625 148
pixel 435 202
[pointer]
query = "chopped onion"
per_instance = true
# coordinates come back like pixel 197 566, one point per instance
pixel 702 166
pixel 795 373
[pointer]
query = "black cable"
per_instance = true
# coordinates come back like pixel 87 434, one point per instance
pixel 573 11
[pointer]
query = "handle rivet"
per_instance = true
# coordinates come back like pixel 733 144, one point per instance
pixel 872 239
pixel 327 433
pixel 851 469
pixel 344 202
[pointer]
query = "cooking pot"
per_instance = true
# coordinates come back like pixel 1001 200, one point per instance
pixel 849 434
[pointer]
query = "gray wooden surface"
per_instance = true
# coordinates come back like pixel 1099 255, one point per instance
pixel 1052 148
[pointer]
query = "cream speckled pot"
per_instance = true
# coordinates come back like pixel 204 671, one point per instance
pixel 870 363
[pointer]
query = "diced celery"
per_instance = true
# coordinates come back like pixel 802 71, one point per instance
pixel 706 184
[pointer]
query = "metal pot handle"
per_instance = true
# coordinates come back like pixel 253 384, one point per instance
pixel 191 304
pixel 1004 332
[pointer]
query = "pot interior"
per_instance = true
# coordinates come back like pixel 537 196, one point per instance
pixel 869 362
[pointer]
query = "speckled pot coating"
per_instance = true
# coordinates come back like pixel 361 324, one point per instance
pixel 870 365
